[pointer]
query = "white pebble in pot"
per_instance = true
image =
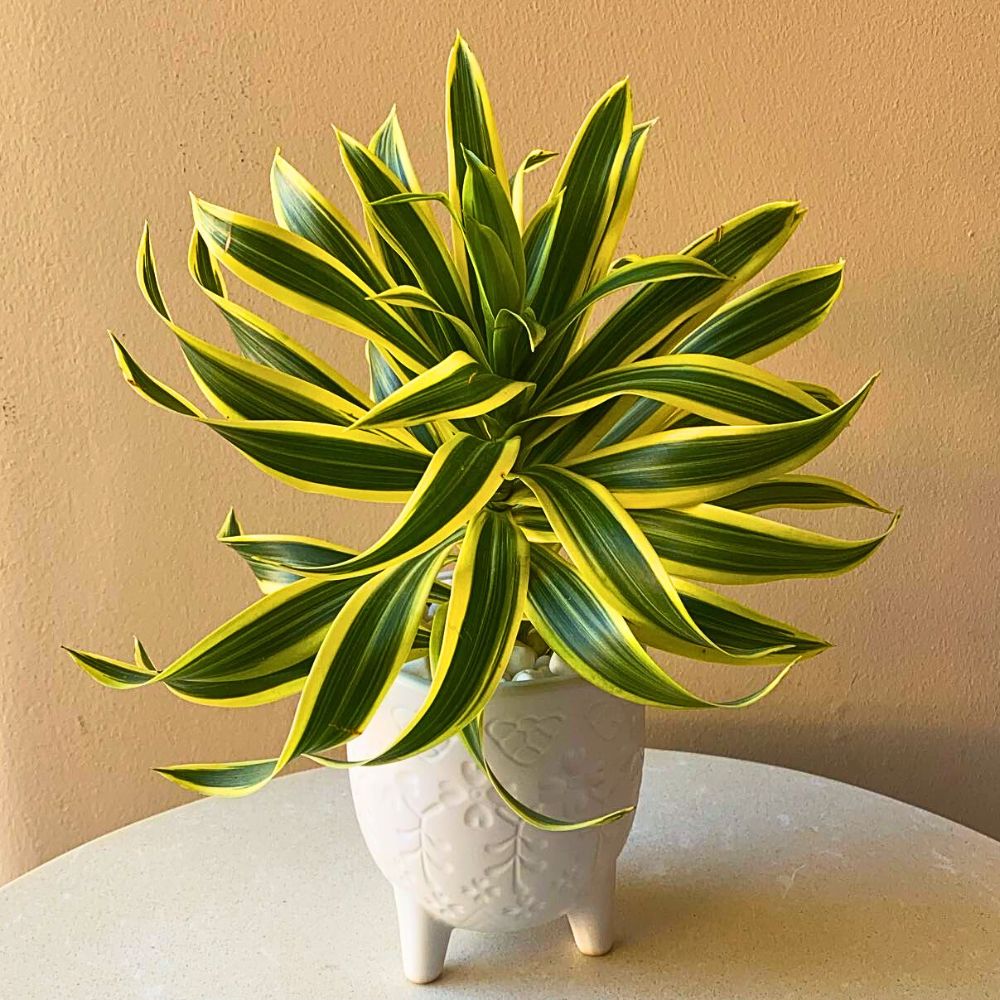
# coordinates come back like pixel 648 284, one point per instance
pixel 418 668
pixel 559 667
pixel 521 658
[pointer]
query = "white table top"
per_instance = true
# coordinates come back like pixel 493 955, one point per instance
pixel 740 881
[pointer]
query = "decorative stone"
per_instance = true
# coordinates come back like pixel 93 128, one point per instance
pixel 559 667
pixel 521 658
pixel 418 668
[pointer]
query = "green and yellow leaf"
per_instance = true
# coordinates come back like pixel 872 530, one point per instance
pixel 799 491
pixel 696 464
pixel 612 555
pixel 588 180
pixel 469 121
pixel 356 663
pixel 711 543
pixel 407 225
pixel 461 477
pixel 236 386
pixel 453 388
pixel 300 208
pixel 260 655
pixel 598 644
pixel 480 624
pixel 260 340
pixel 534 159
pixel 716 388
pixel 301 275
pixel 769 318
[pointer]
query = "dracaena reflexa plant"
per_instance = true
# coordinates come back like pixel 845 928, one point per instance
pixel 584 478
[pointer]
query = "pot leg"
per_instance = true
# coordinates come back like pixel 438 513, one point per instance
pixel 423 940
pixel 592 920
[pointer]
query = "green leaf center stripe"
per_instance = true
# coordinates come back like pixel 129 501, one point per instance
pixel 257 656
pixel 598 644
pixel 472 740
pixel 295 272
pixel 481 620
pixel 462 476
pixel 611 553
pixel 716 388
pixel 361 656
pixel 742 628
pixel 768 318
pixel 406 225
pixel 806 492
pixel 714 544
pixel 300 208
pixel 234 385
pixel 354 666
pixel 456 387
pixel 265 344
pixel 695 464
pixel 318 459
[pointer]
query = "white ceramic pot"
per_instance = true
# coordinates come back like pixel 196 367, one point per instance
pixel 458 857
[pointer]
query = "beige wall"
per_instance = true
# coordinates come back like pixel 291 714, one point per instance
pixel 882 116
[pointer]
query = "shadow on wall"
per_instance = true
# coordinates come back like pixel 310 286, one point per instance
pixel 915 764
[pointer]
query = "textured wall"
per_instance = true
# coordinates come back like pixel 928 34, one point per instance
pixel 881 116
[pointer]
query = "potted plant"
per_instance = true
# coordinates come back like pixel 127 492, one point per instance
pixel 569 486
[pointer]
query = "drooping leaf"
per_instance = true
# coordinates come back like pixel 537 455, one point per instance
pixel 236 386
pixel 805 492
pixel 697 464
pixel 472 739
pixel 711 543
pixel 769 318
pixel 314 457
pixel 299 274
pixel 455 387
pixel 260 340
pixel 461 477
pixel 734 626
pixel 260 655
pixel 717 388
pixel 611 553
pixel 480 627
pixel 356 663
pixel 598 644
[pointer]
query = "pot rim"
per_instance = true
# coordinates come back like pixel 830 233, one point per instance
pixel 505 688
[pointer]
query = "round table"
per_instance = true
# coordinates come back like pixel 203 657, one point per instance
pixel 740 881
